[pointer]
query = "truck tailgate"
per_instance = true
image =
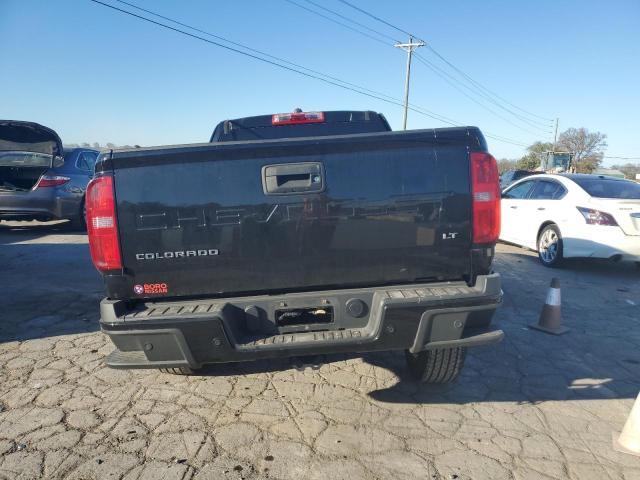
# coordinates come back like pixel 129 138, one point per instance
pixel 298 214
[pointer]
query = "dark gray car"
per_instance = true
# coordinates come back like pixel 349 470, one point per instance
pixel 39 180
pixel 512 176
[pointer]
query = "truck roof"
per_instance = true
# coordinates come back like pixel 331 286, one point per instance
pixel 300 124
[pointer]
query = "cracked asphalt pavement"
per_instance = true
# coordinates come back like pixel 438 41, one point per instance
pixel 534 407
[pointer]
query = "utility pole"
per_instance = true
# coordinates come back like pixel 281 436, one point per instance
pixel 555 136
pixel 409 48
pixel 546 157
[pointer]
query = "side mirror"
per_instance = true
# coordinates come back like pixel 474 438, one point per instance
pixel 58 161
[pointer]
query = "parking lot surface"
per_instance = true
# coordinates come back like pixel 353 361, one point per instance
pixel 534 407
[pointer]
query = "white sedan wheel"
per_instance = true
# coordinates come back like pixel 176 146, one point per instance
pixel 550 246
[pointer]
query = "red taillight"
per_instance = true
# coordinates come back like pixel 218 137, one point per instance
pixel 596 217
pixel 485 188
pixel 51 181
pixel 101 224
pixel 297 117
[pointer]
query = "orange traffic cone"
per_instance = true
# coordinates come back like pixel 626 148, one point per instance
pixel 551 315
pixel 629 439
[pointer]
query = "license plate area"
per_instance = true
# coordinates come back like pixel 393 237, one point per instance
pixel 303 316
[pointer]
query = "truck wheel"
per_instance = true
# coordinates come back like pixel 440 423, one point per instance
pixel 178 371
pixel 550 246
pixel 436 366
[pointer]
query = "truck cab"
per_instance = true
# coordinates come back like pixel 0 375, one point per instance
pixel 299 124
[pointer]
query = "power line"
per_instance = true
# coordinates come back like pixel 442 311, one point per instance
pixel 442 75
pixel 423 111
pixel 416 108
pixel 467 77
pixel 235 50
pixel 622 158
pixel 259 52
pixel 483 87
pixel 505 140
pixel 344 17
pixel 336 21
pixel 380 19
pixel 342 84
pixel 413 107
pixel 532 123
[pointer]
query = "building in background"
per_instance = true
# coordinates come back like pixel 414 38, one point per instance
pixel 610 172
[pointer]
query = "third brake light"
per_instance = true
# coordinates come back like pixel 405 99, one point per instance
pixel 297 118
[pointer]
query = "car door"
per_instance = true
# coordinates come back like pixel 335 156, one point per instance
pixel 513 204
pixel 543 206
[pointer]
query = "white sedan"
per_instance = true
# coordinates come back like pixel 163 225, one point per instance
pixel 573 215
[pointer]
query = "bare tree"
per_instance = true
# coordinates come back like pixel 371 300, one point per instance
pixel 630 170
pixel 505 164
pixel 587 148
pixel 96 145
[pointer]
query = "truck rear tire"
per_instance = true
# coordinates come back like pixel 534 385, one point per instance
pixel 436 366
pixel 178 371
pixel 79 222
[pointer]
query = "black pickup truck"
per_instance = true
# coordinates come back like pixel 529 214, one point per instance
pixel 298 234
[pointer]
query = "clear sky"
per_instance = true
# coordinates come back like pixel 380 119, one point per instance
pixel 96 75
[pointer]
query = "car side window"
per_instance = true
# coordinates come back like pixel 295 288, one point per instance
pixel 86 161
pixel 547 190
pixel 93 156
pixel 518 192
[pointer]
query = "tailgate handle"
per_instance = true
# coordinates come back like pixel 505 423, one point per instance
pixel 292 178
